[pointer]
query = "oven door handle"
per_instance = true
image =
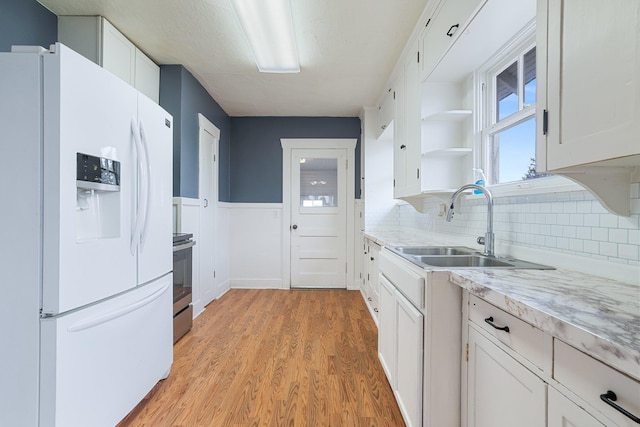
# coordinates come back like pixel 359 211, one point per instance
pixel 183 246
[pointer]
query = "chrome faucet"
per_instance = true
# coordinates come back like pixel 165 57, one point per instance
pixel 489 237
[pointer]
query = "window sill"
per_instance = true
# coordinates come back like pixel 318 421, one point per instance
pixel 550 184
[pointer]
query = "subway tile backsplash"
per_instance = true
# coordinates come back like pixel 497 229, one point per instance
pixel 569 222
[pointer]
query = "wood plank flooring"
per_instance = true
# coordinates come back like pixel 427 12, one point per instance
pixel 275 358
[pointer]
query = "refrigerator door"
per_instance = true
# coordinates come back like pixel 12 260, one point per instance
pixel 20 255
pixel 87 233
pixel 97 363
pixel 155 255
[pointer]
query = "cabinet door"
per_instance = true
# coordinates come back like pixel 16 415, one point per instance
pixel 593 81
pixel 409 330
pixel 400 141
pixel 565 413
pixel 443 29
pixel 413 122
pixel 386 111
pixel 147 76
pixel 118 53
pixel 387 330
pixel 501 391
pixel 374 254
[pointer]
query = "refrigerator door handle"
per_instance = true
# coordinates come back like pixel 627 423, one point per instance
pixel 146 196
pixel 135 236
pixel 104 318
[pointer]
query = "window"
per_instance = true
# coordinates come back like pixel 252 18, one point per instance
pixel 508 120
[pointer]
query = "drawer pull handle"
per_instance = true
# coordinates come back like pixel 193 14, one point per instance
pixel 610 397
pixel 489 320
pixel 453 30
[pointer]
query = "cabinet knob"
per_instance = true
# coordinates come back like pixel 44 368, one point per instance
pixel 371 258
pixel 452 30
pixel 294 226
pixel 375 309
pixel 402 147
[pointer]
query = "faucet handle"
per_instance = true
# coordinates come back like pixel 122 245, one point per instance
pixel 480 240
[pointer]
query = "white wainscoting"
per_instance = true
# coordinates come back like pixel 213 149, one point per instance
pixel 255 245
pixel 223 281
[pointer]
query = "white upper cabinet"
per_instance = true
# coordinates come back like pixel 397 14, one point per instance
pixel 442 29
pixel 118 54
pixel 589 95
pixel 95 38
pixel 386 111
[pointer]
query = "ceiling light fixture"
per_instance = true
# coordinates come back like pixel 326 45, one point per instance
pixel 268 26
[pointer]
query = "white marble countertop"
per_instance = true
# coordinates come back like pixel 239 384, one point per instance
pixel 594 314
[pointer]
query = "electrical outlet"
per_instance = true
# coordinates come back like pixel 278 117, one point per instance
pixel 442 209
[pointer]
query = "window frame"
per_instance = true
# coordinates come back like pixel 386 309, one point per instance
pixel 487 125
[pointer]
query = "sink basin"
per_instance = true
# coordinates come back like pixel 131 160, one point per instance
pixel 453 257
pixel 464 261
pixel 434 250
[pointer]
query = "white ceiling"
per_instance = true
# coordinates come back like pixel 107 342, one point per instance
pixel 347 50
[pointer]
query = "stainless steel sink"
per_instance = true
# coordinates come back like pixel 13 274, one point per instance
pixel 434 250
pixel 453 257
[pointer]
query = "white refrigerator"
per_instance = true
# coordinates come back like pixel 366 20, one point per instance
pixel 86 190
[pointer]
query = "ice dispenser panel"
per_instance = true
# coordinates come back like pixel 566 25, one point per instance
pixel 97 173
pixel 98 198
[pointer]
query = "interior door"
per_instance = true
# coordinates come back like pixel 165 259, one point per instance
pixel 318 218
pixel 208 197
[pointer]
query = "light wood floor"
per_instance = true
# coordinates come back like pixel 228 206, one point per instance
pixel 275 358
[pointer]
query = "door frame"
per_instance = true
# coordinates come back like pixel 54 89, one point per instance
pixel 205 126
pixel 289 144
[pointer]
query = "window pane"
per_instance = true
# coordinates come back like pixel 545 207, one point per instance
pixel 529 73
pixel 513 153
pixel 318 182
pixel 507 92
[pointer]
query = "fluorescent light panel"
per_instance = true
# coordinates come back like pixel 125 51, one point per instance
pixel 268 26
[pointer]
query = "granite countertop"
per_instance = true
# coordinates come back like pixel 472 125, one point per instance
pixel 597 315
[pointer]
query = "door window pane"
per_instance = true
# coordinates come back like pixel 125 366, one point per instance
pixel 529 74
pixel 513 153
pixel 318 182
pixel 507 92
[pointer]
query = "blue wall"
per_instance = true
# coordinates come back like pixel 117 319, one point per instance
pixel 184 97
pixel 26 22
pixel 256 151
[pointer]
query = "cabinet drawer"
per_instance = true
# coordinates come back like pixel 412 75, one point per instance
pixel 590 378
pixel 399 272
pixel 524 339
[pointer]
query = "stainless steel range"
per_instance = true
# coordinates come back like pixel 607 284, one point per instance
pixel 182 281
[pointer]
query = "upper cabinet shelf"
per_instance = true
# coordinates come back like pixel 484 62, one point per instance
pixel 449 115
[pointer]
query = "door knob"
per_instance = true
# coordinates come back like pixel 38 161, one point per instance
pixel 294 226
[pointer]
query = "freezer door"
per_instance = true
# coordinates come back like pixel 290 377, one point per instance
pixel 87 233
pixel 155 256
pixel 99 362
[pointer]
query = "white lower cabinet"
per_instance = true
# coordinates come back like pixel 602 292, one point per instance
pixel 409 332
pixel 501 391
pixel 517 375
pixel 562 412
pixel 419 342
pixel 387 330
pixel 400 350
